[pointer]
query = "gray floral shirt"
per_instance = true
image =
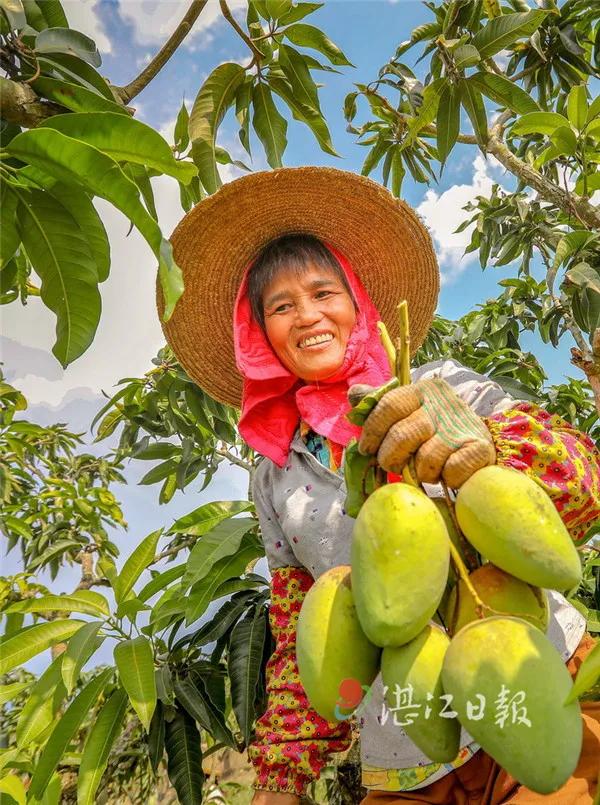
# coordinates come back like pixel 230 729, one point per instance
pixel 301 513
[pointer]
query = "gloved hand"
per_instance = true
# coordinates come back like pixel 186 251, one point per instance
pixel 427 419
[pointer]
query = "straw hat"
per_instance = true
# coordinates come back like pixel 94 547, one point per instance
pixel 385 242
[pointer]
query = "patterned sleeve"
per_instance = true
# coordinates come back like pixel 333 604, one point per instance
pixel 292 742
pixel 564 461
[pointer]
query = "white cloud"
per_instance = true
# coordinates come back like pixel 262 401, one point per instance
pixel 443 212
pixel 82 15
pixel 154 21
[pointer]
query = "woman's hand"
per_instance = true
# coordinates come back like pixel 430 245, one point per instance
pixel 428 420
pixel 262 797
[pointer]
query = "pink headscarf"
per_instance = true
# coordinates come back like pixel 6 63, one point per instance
pixel 274 399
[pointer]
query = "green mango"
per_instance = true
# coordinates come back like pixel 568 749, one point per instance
pixel 400 554
pixel 501 591
pixel 335 658
pixel 418 664
pixel 509 519
pixel 524 725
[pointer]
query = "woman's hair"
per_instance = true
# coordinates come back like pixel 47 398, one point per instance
pixel 295 252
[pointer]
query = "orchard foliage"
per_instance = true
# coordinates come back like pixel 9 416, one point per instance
pixel 185 615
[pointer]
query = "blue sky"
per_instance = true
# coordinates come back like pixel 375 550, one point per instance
pixel 128 34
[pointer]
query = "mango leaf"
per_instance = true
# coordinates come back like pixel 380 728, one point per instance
pixel 8 692
pixel 64 731
pixel 53 14
pixel 85 601
pixel 203 591
pixel 587 675
pixel 89 222
pixel 184 758
pixel 215 97
pixel 504 92
pixel 135 663
pixel 361 478
pixel 203 519
pixel 24 645
pixel 14 12
pixel 9 234
pixel 223 540
pixel 80 648
pixel 588 184
pixel 75 97
pixel 77 163
pixel 304 114
pixel 66 40
pixel 538 123
pixel 13 786
pixel 161 581
pixel 136 564
pixel 567 246
pixel 61 257
pixel 475 108
pixel 96 752
pixel 361 408
pixel 45 698
pixel 564 140
pixel 584 276
pixel 194 699
pixel 244 662
pixel 428 109
pixel 298 75
pixel 298 12
pixel 269 125
pixel 124 139
pixel 577 107
pixel 310 37
pixel 465 56
pixel 501 32
pixel 448 121
pixel 76 71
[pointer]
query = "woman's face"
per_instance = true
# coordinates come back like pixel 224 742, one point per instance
pixel 298 309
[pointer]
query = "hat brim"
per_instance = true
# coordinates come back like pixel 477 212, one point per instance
pixel 382 237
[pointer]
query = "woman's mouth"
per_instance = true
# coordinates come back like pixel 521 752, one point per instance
pixel 316 343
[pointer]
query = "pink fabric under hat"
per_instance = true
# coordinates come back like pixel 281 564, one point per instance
pixel 274 400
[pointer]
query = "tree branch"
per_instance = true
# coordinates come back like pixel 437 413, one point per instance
pixel 230 19
pixel 234 459
pixel 134 87
pixel 19 104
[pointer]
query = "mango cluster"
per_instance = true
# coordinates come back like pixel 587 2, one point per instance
pixel 452 652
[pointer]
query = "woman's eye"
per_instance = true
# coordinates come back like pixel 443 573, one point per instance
pixel 280 308
pixel 324 292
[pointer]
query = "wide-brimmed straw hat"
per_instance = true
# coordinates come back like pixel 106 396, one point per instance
pixel 382 237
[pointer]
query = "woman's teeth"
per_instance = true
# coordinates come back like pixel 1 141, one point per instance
pixel 317 339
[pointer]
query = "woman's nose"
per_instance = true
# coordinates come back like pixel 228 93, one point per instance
pixel 308 312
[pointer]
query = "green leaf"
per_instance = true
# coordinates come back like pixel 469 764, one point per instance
pixel 311 37
pixel 61 546
pixel 80 648
pixel 245 655
pixel 53 14
pixel 8 692
pixel 136 564
pixel 203 591
pixel 538 123
pixel 448 121
pixel 587 675
pixel 269 125
pixel 466 56
pixel 61 257
pixel 184 758
pixel 24 645
pixel 504 31
pixel 156 737
pixel 124 139
pixel 75 97
pixel 81 164
pixel 298 12
pixel 9 233
pixel 215 97
pixel 161 581
pixel 564 140
pixel 192 695
pixel 577 107
pixel 135 662
pixel 584 276
pixel 299 77
pixel 203 519
pixel 89 222
pixel 13 786
pixel 66 40
pixel 15 13
pixel 181 134
pixel 43 702
pixel 504 92
pixel 475 108
pixel 304 114
pixel 84 601
pixel 223 540
pixel 429 107
pixel 75 70
pixel 96 752
pixel 64 731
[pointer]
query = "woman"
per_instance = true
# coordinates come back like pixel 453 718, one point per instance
pixel 287 273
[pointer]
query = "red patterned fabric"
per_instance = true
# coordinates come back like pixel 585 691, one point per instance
pixel 292 742
pixel 564 461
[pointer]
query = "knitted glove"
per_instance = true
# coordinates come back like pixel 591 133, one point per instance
pixel 429 419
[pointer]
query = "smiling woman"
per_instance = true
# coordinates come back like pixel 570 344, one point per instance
pixel 301 298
